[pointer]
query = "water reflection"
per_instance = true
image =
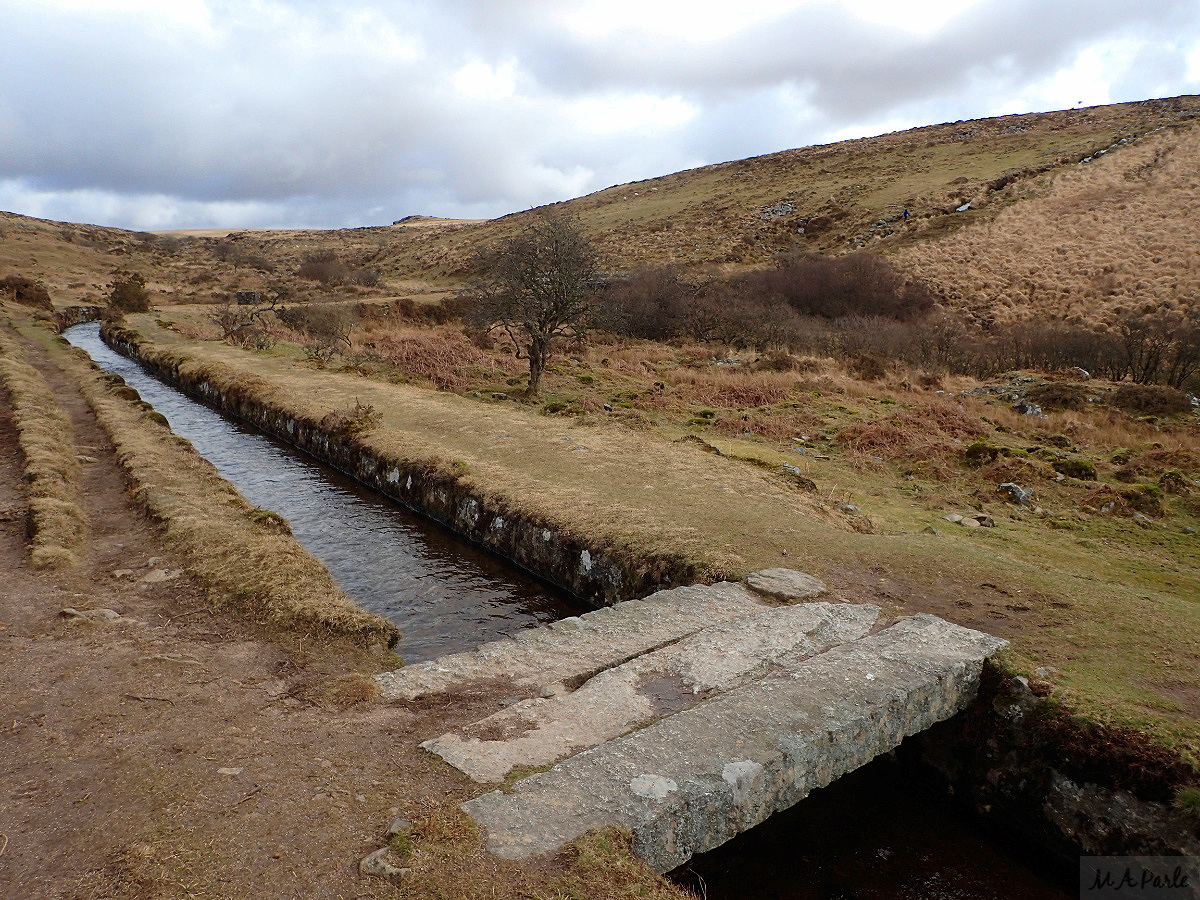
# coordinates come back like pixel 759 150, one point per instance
pixel 445 594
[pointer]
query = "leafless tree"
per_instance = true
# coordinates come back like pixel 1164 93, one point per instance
pixel 538 287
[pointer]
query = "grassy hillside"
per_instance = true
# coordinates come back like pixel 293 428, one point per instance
pixel 729 216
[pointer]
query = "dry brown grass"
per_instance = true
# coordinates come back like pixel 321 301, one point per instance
pixel 1098 241
pixel 239 555
pixel 779 427
pixel 732 387
pixel 58 525
pixel 919 432
pixel 440 356
pixel 445 858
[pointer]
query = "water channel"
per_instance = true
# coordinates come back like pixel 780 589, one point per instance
pixel 869 836
pixel 445 594
pixel 878 833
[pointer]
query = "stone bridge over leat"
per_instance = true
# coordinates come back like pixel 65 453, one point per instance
pixel 692 715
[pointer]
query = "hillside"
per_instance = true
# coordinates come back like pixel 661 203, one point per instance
pixel 733 215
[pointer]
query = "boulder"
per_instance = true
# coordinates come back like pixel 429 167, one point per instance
pixel 786 585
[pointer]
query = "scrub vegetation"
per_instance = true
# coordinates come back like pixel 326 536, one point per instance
pixel 985 409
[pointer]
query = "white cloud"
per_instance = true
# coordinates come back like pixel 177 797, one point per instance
pixel 481 81
pixel 642 114
pixel 131 112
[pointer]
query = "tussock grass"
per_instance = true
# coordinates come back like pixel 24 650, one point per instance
pixel 445 857
pixel 58 524
pixel 229 546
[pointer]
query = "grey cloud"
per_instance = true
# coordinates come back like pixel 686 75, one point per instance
pixel 297 111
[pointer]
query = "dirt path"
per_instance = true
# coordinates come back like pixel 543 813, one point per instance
pixel 174 751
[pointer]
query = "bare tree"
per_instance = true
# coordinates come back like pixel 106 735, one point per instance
pixel 539 287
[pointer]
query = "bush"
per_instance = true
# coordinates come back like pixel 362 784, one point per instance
pixel 351 422
pixel 128 293
pixel 834 287
pixel 1150 399
pixel 26 291
pixel 1144 498
pixel 867 366
pixel 324 267
pixel 1173 481
pixel 981 452
pixel 1083 469
pixel 1059 395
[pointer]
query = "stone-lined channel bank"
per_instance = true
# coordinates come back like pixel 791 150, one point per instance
pixel 445 594
pixel 1060 788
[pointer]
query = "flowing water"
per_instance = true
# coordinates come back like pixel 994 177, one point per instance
pixel 869 836
pixel 445 594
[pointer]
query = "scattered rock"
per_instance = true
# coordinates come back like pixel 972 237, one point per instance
pixel 399 826
pixel 1081 374
pixel 1142 520
pixel 157 576
pixel 1188 529
pixel 498 395
pixel 929 529
pixel 153 561
pixel 85 459
pixel 92 616
pixel 787 585
pixel 983 521
pixel 778 210
pixel 1108 507
pixel 970 523
pixel 1015 493
pixel 953 518
pixel 377 865
pixel 963 208
pixel 230 770
pixel 1025 408
pixel 1045 671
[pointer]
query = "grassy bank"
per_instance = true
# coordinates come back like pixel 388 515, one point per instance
pixel 58 526
pixel 1106 603
pixel 244 554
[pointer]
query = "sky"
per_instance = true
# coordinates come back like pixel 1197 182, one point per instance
pixel 164 114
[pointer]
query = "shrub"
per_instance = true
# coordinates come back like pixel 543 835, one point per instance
pixel 128 293
pixel 1059 395
pixel 1150 399
pixel 1144 498
pixel 832 287
pixel 1173 481
pixel 981 452
pixel 26 291
pixel 1083 469
pixel 324 267
pixel 867 366
pixel 351 422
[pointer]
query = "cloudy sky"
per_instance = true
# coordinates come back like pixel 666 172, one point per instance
pixel 154 114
